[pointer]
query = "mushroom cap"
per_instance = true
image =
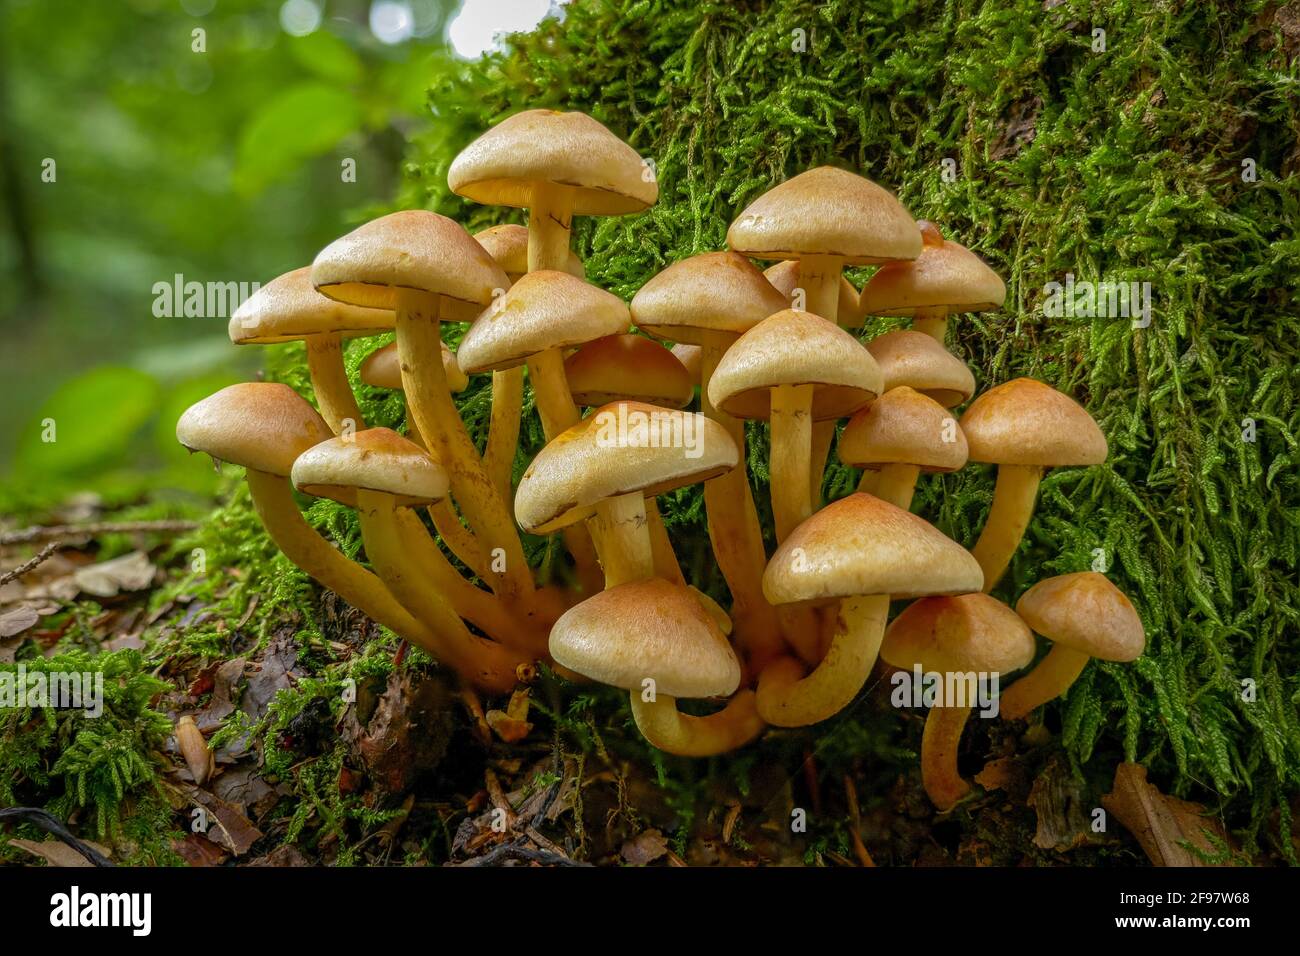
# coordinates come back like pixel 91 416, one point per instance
pixel 258 425
pixel 374 459
pixel 1084 611
pixel 413 250
pixel 826 211
pixel 784 277
pixel 504 166
pixel 945 275
pixel 543 310
pixel 382 368
pixel 860 546
pixel 618 449
pixel 627 367
pixel 289 308
pixel 795 348
pixel 913 358
pixel 711 292
pixel 508 245
pixel 903 427
pixel 690 356
pixel 965 632
pixel 1024 422
pixel 647 629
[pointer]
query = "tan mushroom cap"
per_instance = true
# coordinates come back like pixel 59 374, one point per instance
pixel 826 211
pixel 965 632
pixel 795 348
pixel 627 368
pixel 784 277
pixel 860 546
pixel 621 448
pixel 711 292
pixel 289 308
pixel 382 368
pixel 691 357
pixel 1024 422
pixel 1084 611
pixel 258 425
pixel 508 246
pixel 543 310
pixel 374 459
pixel 650 629
pixel 412 250
pixel 945 275
pixel 920 361
pixel 903 427
pixel 504 166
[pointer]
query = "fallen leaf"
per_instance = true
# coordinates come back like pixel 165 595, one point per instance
pixel 18 620
pixel 1001 773
pixel 227 825
pixel 1160 823
pixel 1057 799
pixel 130 572
pixel 282 856
pixel 646 847
pixel 198 851
pixel 58 853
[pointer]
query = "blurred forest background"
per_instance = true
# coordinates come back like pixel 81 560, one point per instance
pixel 218 156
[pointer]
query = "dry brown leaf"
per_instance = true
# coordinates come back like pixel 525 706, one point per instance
pixel 18 620
pixel 58 853
pixel 130 572
pixel 1056 798
pixel 1160 823
pixel 646 847
pixel 227 826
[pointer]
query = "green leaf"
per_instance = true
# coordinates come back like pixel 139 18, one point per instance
pixel 306 120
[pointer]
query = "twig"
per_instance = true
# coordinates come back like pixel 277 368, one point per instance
pixel 94 529
pixel 42 556
pixel 519 850
pixel 54 826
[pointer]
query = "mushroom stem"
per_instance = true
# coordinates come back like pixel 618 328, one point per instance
pixel 896 484
pixel 620 524
pixel 823 434
pixel 932 321
pixel 1049 680
pixel 819 277
pixel 734 530
pixel 789 456
pixel 786 700
pixel 869 481
pixel 671 731
pixel 665 558
pixel 939 743
pixel 298 541
pixel 329 380
pixel 1013 506
pixel 457 537
pixel 549 220
pixel 503 429
pixel 486 664
pixel 430 405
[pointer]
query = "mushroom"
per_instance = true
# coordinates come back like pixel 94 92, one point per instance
pixel 794 368
pixel 965 634
pixel 1023 427
pixel 690 356
pixel 635 369
pixel 386 475
pixel 605 467
pixel 917 360
pixel 857 551
pixel 289 309
pixel 263 427
pixel 902 433
pixel 655 640
pixel 709 300
pixel 1084 616
pixel 408 262
pixel 784 277
pixel 946 278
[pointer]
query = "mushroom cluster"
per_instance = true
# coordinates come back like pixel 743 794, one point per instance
pixel 805 625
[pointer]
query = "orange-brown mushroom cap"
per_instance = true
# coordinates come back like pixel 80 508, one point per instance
pixel 382 368
pixel 1024 422
pixel 374 459
pixel 289 308
pixel 918 360
pixel 258 425
pixel 903 427
pixel 957 633
pixel 710 292
pixel 627 367
pixel 1086 612
pixel 945 275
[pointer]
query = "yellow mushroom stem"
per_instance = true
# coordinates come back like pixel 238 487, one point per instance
pixel 661 546
pixel 329 380
pixel 458 539
pixel 503 430
pixel 788 699
pixel 483 663
pixel 939 744
pixel 273 500
pixel 823 435
pixel 896 484
pixel 788 460
pixel 667 728
pixel 620 526
pixel 819 277
pixel 550 219
pixel 430 406
pixel 868 482
pixel 1013 506
pixel 932 321
pixel 1049 680
pixel 734 531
